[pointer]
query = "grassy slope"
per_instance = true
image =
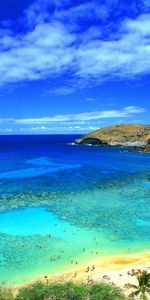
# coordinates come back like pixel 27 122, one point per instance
pixel 122 133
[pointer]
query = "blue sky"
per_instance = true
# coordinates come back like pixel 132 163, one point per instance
pixel 73 66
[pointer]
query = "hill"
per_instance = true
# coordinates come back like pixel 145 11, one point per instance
pixel 130 135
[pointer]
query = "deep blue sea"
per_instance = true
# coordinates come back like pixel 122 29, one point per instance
pixel 62 205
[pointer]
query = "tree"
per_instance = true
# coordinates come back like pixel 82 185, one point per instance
pixel 143 288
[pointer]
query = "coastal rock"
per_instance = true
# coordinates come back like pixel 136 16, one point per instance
pixel 92 141
pixel 147 147
pixel 127 135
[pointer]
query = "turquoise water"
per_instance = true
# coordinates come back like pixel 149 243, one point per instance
pixel 62 205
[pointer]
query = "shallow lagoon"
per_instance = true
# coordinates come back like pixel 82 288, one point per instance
pixel 57 198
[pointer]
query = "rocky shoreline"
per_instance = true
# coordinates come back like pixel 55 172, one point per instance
pixel 125 135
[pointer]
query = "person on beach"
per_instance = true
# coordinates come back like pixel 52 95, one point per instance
pixel 88 269
pixel 93 268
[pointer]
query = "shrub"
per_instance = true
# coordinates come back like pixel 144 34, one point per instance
pixel 36 291
pixel 69 291
pixel 103 291
pixel 41 291
pixel 65 291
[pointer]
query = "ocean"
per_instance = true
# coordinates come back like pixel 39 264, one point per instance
pixel 62 205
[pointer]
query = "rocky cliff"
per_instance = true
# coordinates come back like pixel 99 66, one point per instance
pixel 129 135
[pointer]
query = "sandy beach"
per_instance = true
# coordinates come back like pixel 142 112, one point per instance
pixel 117 270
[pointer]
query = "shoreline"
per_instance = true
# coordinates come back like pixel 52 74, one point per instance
pixel 106 264
pixel 112 269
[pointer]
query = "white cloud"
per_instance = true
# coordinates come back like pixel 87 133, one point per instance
pixel 61 91
pixel 48 130
pixel 71 123
pixel 78 117
pixel 90 99
pixel 85 116
pixel 39 128
pixel 51 47
pixel 6 130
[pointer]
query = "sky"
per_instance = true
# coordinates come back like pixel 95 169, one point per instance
pixel 73 66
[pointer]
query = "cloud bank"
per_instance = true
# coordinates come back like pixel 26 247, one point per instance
pixel 79 122
pixel 79 117
pixel 80 40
